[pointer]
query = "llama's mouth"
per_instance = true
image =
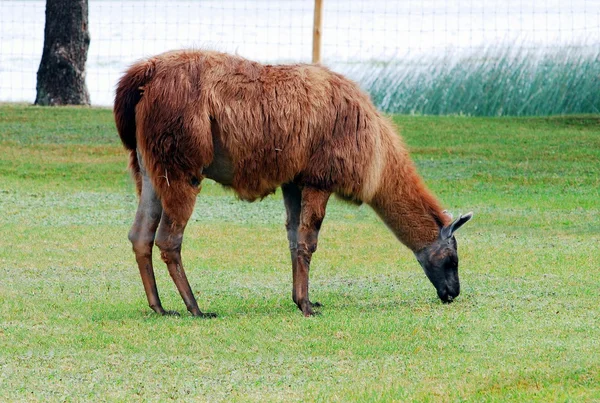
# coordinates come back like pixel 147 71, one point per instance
pixel 447 294
pixel 448 299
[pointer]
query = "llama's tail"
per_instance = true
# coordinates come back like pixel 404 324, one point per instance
pixel 128 94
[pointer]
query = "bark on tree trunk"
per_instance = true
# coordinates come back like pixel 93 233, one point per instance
pixel 61 76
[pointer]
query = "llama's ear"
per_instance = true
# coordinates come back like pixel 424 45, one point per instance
pixel 447 213
pixel 450 229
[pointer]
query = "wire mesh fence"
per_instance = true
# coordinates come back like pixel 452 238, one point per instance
pixel 426 56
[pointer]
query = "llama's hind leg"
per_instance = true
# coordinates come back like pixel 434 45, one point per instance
pixel 169 239
pixel 312 213
pixel 141 236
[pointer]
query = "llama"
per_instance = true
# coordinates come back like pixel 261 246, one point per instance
pixel 188 115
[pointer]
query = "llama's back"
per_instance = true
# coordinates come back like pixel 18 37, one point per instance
pixel 286 122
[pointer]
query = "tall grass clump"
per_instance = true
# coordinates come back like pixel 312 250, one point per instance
pixel 490 82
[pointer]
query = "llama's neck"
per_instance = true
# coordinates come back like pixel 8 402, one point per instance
pixel 405 204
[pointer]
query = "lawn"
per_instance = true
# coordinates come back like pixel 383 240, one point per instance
pixel 75 326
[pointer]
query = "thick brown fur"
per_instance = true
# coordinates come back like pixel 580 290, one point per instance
pixel 276 124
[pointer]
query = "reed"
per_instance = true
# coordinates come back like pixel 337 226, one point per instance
pixel 501 81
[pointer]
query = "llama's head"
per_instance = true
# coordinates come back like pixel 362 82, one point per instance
pixel 440 260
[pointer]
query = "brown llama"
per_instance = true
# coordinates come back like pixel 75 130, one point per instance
pixel 189 115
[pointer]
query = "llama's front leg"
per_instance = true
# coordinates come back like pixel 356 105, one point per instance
pixel 169 239
pixel 292 198
pixel 141 236
pixel 312 213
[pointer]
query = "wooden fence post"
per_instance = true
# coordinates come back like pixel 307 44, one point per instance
pixel 317 28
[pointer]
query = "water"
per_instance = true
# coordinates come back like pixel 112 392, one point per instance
pixel 354 32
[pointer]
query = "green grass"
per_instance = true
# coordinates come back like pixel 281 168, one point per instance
pixel 507 81
pixel 74 325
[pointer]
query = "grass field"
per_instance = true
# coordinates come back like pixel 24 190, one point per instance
pixel 74 325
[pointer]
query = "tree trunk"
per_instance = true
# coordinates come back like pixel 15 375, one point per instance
pixel 61 76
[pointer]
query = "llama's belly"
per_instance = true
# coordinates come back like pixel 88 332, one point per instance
pixel 221 168
pixel 248 187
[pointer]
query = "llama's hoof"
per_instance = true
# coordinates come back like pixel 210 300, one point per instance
pixel 310 313
pixel 170 313
pixel 307 308
pixel 205 315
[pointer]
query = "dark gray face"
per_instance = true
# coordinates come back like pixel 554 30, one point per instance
pixel 440 261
